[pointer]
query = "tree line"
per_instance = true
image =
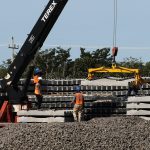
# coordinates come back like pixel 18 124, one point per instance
pixel 56 63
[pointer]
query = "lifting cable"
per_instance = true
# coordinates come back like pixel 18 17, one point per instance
pixel 115 23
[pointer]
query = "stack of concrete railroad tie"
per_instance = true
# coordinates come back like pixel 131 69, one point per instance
pixel 103 97
pixel 139 106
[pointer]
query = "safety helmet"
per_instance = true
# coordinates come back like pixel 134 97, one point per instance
pixel 78 88
pixel 37 71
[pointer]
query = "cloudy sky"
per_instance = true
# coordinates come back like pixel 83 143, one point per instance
pixel 83 23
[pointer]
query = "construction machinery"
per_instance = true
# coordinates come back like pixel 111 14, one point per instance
pixel 15 95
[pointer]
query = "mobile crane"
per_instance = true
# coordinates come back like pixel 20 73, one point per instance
pixel 34 41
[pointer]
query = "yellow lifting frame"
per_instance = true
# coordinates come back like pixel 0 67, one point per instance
pixel 114 69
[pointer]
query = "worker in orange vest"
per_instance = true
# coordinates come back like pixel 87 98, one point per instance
pixel 36 75
pixel 135 86
pixel 38 92
pixel 78 105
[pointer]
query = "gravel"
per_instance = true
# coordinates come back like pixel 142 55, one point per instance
pixel 109 133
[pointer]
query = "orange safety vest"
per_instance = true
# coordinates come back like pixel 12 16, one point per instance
pixel 79 99
pixel 35 79
pixel 37 89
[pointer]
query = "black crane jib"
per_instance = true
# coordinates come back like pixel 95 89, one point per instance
pixel 32 44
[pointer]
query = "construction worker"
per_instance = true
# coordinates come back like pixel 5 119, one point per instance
pixel 37 73
pixel 38 92
pixel 78 105
pixel 135 86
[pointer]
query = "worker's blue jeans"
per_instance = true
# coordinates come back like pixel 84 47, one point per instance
pixel 130 89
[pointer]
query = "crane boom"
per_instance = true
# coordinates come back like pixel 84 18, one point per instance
pixel 32 44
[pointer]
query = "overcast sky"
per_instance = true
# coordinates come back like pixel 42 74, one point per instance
pixel 85 23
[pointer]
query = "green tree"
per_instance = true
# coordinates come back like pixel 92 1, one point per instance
pixel 102 57
pixel 132 63
pixel 95 59
pixel 54 62
pixel 4 67
pixel 146 69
